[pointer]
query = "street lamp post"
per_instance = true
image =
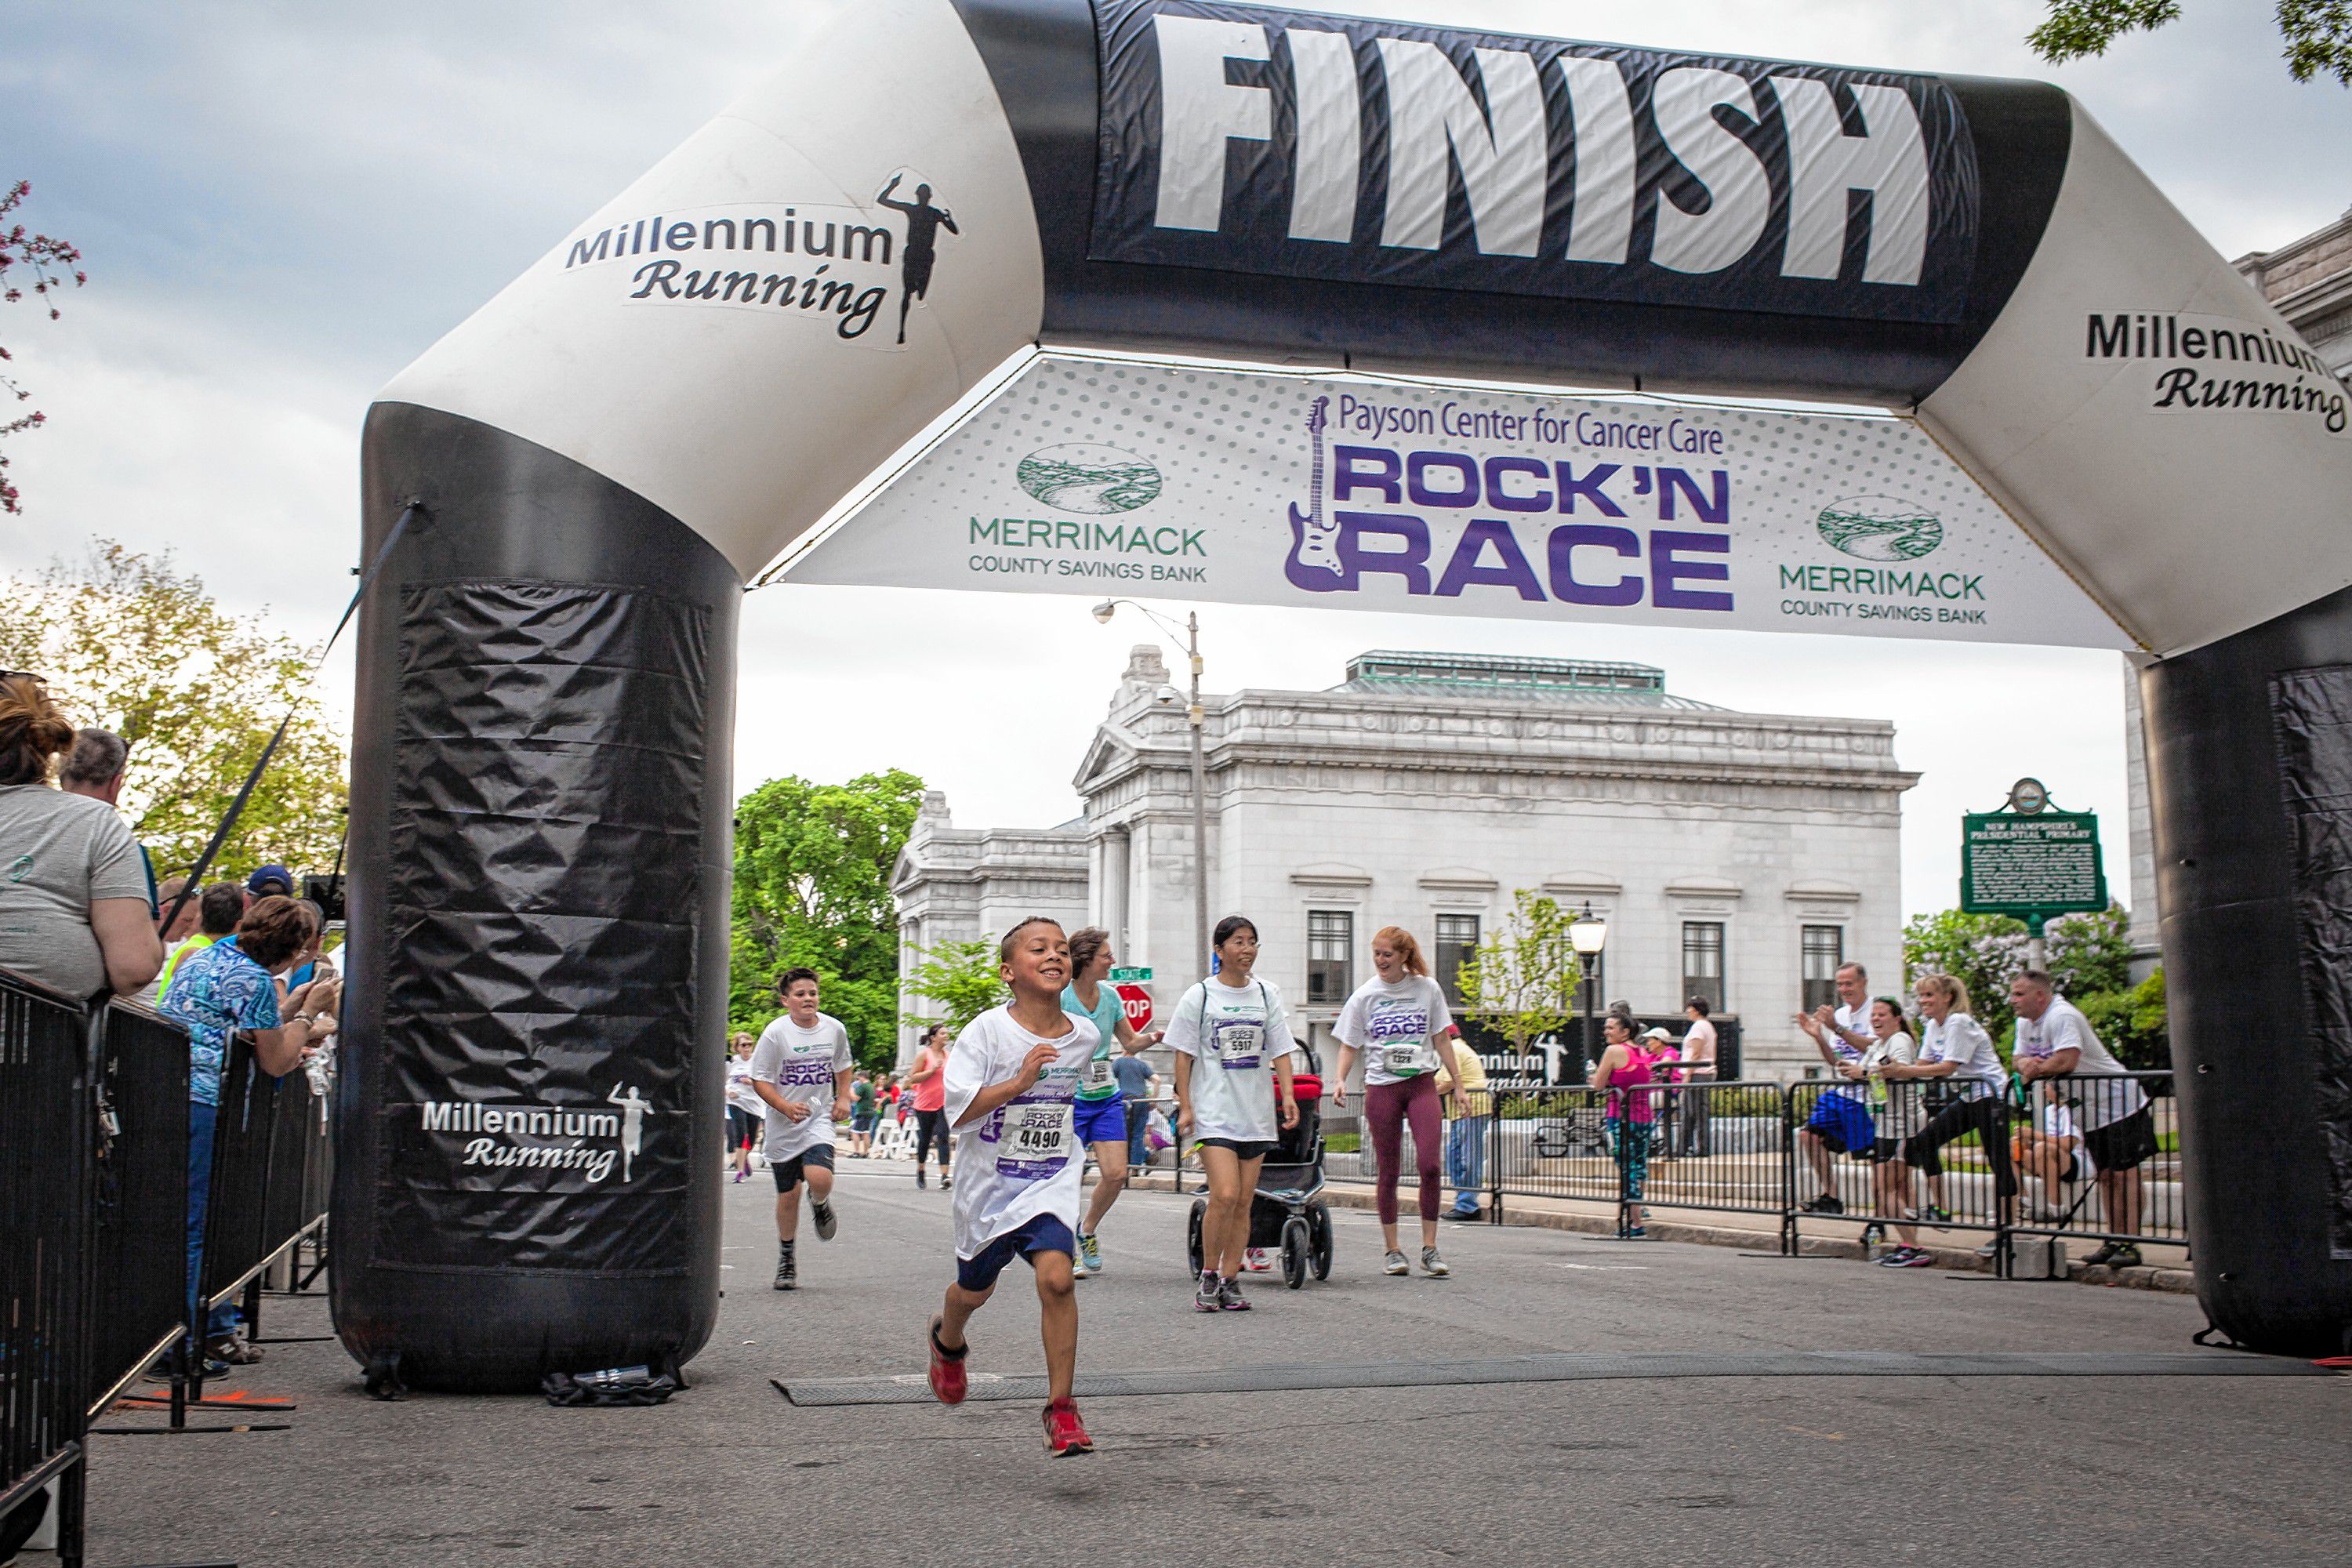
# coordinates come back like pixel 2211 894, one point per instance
pixel 1194 714
pixel 1587 933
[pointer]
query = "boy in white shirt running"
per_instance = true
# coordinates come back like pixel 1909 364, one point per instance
pixel 800 1071
pixel 1012 1085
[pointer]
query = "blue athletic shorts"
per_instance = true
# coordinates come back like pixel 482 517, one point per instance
pixel 1038 1233
pixel 1843 1123
pixel 1102 1121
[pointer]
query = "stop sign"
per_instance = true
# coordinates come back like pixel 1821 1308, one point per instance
pixel 1137 1001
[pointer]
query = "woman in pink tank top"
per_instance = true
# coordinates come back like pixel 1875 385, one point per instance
pixel 1626 1064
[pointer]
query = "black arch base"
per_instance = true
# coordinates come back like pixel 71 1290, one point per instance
pixel 529 1109
pixel 2250 763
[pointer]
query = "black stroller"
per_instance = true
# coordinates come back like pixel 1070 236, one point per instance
pixel 1288 1210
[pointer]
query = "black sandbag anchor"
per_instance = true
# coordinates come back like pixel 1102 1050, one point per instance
pixel 620 1385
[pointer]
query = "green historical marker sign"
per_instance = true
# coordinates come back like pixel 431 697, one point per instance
pixel 1137 976
pixel 2030 862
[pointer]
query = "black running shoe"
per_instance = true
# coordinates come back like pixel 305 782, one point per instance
pixel 922 1180
pixel 825 1222
pixel 788 1274
pixel 1825 1204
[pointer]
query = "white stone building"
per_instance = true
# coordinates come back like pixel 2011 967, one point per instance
pixel 1742 855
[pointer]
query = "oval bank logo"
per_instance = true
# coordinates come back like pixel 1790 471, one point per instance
pixel 1880 528
pixel 1093 482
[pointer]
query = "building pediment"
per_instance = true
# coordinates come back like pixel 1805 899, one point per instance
pixel 1459 879
pixel 1822 893
pixel 1702 887
pixel 1583 885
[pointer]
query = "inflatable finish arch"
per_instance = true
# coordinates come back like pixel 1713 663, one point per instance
pixel 603 453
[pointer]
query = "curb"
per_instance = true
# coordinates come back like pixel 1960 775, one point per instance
pixel 1952 1259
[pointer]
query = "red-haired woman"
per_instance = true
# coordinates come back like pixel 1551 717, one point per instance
pixel 1399 1023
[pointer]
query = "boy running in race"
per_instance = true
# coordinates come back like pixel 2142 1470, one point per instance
pixel 1011 1081
pixel 1233 1047
pixel 801 1070
pixel 1102 1107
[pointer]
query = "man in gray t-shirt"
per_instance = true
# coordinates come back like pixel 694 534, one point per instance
pixel 62 856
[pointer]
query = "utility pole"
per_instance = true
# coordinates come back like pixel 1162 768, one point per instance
pixel 1199 798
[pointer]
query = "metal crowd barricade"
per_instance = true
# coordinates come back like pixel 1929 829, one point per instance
pixel 141 1300
pixel 1721 1147
pixel 2087 1141
pixel 48 1163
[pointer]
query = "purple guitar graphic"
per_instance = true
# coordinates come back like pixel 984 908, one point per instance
pixel 1314 561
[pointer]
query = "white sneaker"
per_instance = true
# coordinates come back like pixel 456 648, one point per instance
pixel 1433 1265
pixel 1396 1264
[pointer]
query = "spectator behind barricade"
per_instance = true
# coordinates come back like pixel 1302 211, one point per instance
pixel 1699 1044
pixel 75 911
pixel 2051 1151
pixel 1956 1050
pixel 182 927
pixel 1840 1123
pixel 94 768
pixel 2054 1041
pixel 227 988
pixel 1137 1084
pixel 1465 1134
pixel 1631 1113
pixel 1893 1111
pixel 217 912
pixel 268 880
pixel 310 964
pixel 863 1112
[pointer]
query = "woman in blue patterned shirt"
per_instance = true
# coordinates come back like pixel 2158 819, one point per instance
pixel 226 988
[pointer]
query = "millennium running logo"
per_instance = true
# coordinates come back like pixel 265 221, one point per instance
pixel 1090 481
pixel 548 1137
pixel 1880 528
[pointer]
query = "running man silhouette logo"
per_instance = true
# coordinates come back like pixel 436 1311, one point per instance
pixel 924 222
pixel 632 1123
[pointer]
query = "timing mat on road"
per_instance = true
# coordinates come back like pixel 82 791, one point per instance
pixel 911 1388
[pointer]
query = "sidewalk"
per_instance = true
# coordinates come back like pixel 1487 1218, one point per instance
pixel 1819 1235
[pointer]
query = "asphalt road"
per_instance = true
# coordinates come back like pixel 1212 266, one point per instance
pixel 1736 1471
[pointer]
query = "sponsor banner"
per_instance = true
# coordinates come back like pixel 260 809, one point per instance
pixel 1085 475
pixel 1256 139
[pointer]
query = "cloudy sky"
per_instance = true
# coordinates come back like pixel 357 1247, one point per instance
pixel 282 203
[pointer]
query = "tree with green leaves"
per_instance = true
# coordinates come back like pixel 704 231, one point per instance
pixel 131 642
pixel 2317 33
pixel 2089 956
pixel 813 888
pixel 1521 980
pixel 962 978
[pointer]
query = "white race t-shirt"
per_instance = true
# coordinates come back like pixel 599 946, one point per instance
pixel 1396 1026
pixel 1023 1159
pixel 1961 1038
pixel 739 1093
pixel 2062 1026
pixel 1856 1018
pixel 1233 1037
pixel 2058 1122
pixel 799 1064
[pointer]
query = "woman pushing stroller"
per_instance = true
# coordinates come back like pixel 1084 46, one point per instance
pixel 1233 1045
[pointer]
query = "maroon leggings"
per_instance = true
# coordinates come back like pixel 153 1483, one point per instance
pixel 1387 1107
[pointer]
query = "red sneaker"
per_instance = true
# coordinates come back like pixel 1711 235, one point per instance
pixel 947 1368
pixel 1065 1433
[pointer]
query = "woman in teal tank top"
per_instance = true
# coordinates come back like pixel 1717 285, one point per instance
pixel 1101 1110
